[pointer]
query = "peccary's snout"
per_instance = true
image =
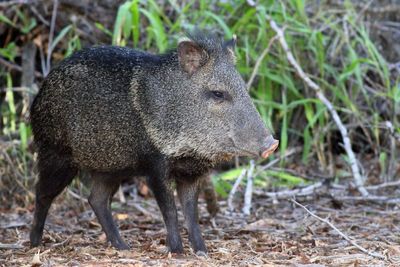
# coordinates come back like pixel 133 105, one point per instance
pixel 269 147
pixel 251 137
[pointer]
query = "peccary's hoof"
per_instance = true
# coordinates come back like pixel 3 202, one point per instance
pixel 177 249
pixel 201 254
pixel 34 245
pixel 121 246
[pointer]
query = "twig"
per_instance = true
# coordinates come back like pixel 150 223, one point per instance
pixel 378 199
pixel 13 225
pixel 259 60
pixel 380 186
pixel 389 126
pixel 391 167
pixel 62 243
pixel 75 195
pixel 394 66
pixel 16 2
pixel 288 153
pixel 308 190
pixel 372 254
pixel 359 180
pixel 121 196
pixel 234 189
pixel 13 66
pixel 11 246
pixel 138 207
pixel 40 17
pixel 20 89
pixel 249 189
pixel 51 35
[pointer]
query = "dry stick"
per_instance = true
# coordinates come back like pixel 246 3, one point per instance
pixel 372 254
pixel 288 153
pixel 258 63
pixel 346 140
pixel 234 189
pixel 40 17
pixel 10 3
pixel 51 35
pixel 249 189
pixel 380 186
pixel 11 246
pixel 391 167
pixel 389 126
pixel 144 211
pixel 371 198
pixel 308 190
pixel 14 66
pixel 75 195
pixel 121 195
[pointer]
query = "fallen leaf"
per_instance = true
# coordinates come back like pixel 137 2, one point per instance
pixel 36 259
pixel 122 216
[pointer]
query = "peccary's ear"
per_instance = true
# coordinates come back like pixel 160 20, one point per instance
pixel 230 44
pixel 230 47
pixel 191 56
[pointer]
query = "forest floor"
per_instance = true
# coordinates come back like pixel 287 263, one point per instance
pixel 276 234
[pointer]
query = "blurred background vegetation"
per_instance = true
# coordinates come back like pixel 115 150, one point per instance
pixel 350 48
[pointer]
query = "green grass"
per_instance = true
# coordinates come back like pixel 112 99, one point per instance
pixel 332 46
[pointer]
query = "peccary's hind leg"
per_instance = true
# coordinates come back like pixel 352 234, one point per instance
pixel 104 187
pixel 55 173
pixel 188 192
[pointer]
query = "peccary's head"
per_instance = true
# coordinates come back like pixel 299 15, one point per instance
pixel 197 104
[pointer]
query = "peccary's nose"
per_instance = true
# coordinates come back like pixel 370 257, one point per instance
pixel 269 147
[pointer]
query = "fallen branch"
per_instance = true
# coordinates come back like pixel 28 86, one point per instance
pixel 384 185
pixel 391 167
pixel 121 196
pixel 139 208
pixel 234 189
pixel 378 199
pixel 249 189
pixel 11 246
pixel 372 254
pixel 359 180
pixel 288 153
pixel 76 196
pixel 16 2
pixel 14 66
pixel 308 190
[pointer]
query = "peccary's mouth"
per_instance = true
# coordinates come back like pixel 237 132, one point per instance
pixel 241 151
pixel 267 152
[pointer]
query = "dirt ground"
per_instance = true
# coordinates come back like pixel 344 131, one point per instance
pixel 276 234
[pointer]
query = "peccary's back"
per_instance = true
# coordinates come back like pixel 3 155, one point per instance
pixel 85 107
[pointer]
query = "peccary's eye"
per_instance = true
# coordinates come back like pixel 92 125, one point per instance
pixel 218 95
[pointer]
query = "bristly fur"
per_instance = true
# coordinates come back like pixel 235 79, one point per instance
pixel 115 112
pixel 208 41
pixel 211 42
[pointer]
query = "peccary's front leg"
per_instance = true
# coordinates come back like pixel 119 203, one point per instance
pixel 188 192
pixel 164 194
pixel 100 197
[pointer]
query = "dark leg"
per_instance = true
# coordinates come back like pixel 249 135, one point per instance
pixel 55 173
pixel 188 192
pixel 210 196
pixel 164 194
pixel 104 187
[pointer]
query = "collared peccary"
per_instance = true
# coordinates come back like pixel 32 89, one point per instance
pixel 116 112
